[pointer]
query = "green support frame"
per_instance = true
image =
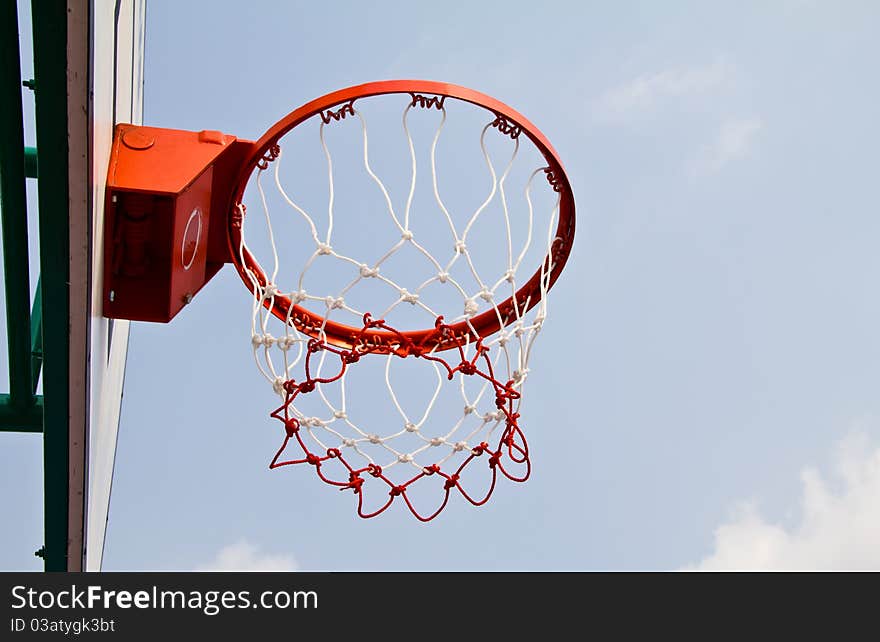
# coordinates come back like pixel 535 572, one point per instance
pixel 14 208
pixel 50 69
pixel 37 344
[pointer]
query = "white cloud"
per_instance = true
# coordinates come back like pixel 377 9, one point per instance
pixel 837 530
pixel 243 556
pixel 735 139
pixel 647 90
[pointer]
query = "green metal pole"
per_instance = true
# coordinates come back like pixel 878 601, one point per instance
pixel 18 419
pixel 36 337
pixel 15 418
pixel 50 32
pixel 13 203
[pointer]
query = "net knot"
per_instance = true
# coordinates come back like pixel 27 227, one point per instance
pixel 374 439
pixel 407 235
pixel 334 303
pixel 433 468
pixel 291 426
pixel 314 346
pixel 509 276
pixel 410 427
pixel 299 297
pixel 333 453
pixel 469 409
pixel 494 459
pixel 279 385
pixel 459 446
pixel 397 490
pixel 355 481
pixel 480 449
pixel 270 290
pixel 349 356
pixel 324 249
pixel 471 307
pixel 466 367
pixel 367 272
pixel 436 441
pixel 290 386
pixel 460 247
pixel 348 442
pixel 258 340
pixel 443 277
pixel 313 459
pixel 374 469
pixel 451 483
pixel 314 422
pixel 405 458
pixel 339 414
pixel 306 386
pixel 486 295
pixel 369 322
pixel 286 342
pixel 408 297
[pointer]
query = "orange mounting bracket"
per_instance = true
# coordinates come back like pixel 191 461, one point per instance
pixel 167 201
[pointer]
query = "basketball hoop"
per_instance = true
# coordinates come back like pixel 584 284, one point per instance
pixel 424 94
pixel 308 339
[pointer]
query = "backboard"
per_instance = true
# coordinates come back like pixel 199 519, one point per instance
pixel 112 60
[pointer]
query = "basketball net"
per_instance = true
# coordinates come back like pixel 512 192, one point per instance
pixel 347 447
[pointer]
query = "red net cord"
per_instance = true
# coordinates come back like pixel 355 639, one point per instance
pixel 510 448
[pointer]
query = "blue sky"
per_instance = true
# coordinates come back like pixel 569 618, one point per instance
pixel 704 391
